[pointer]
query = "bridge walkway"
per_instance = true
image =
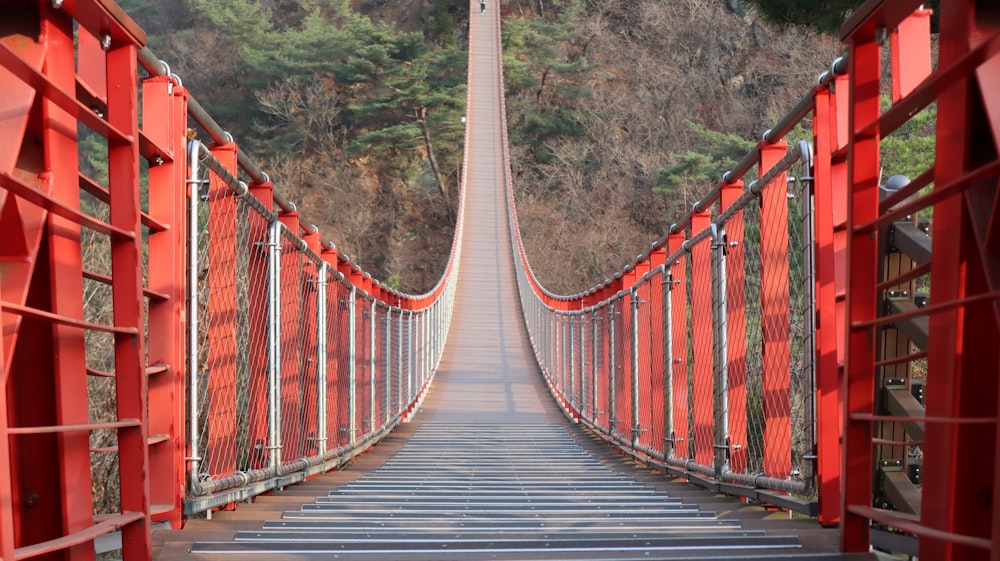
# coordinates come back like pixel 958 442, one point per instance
pixel 489 468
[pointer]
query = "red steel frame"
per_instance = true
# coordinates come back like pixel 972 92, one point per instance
pixel 955 521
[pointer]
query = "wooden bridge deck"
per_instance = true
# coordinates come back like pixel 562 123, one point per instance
pixel 489 468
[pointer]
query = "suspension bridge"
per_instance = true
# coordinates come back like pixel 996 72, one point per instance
pixel 803 367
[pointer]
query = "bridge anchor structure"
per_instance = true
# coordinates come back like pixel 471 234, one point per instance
pixel 817 335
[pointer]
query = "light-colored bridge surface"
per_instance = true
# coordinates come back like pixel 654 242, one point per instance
pixel 489 468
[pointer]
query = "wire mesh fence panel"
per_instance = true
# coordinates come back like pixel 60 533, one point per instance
pixel 775 322
pixel 736 342
pixel 754 412
pixel 362 372
pixel 650 397
pixel 622 315
pixel 382 354
pixel 234 356
pixel 679 360
pixel 585 403
pixel 339 356
pixel 702 428
pixel 292 325
pixel 602 326
pixel 801 342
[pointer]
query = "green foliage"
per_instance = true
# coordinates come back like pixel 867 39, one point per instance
pixel 545 75
pixel 440 28
pixel 825 16
pixel 909 150
pixel 718 152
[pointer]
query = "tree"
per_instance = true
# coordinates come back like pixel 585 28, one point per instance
pixel 825 16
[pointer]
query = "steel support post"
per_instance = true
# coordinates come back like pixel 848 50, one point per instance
pixel 387 373
pixel 321 358
pixel 372 377
pixel 572 361
pixel 679 367
pixel 595 366
pixel 410 357
pixel 634 301
pixel 352 366
pixel 720 379
pixel 194 315
pixel 400 372
pixel 667 287
pixel 274 346
pixel 612 368
pixel 256 247
pixel 290 341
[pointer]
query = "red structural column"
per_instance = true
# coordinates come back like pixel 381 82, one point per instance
pixel 258 308
pixel 334 313
pixel 736 329
pixel 775 316
pixel 623 354
pixel 679 348
pixel 291 321
pixel 220 457
pixel 701 339
pixel 862 250
pixel 71 468
pixel 960 463
pixel 165 108
pixel 828 338
pixel 310 346
pixel 127 288
pixel 651 357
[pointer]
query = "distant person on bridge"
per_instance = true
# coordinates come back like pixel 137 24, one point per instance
pixel 482 6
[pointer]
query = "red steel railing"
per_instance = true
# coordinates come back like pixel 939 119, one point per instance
pixel 773 344
pixel 176 336
pixel 776 343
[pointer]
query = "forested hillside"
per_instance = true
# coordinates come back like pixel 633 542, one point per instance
pixel 621 114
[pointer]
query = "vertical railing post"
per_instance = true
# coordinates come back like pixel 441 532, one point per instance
pixel 387 374
pixel 274 345
pixel 372 374
pixel 321 358
pixel 289 314
pixel 257 248
pixel 411 359
pixel 775 311
pixel 612 368
pixel 594 365
pixel 720 380
pixel 667 289
pixel 679 368
pixel 400 371
pixel 636 429
pixel 352 366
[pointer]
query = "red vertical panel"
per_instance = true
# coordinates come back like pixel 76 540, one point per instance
pixel 71 489
pixel 221 335
pixel 701 340
pixel 862 251
pixel 127 284
pixel 678 300
pixel 165 110
pixel 291 320
pixel 828 338
pixel 736 330
pixel 911 53
pixel 775 317
pixel 258 280
pixel 653 358
pixel 623 354
pixel 310 346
